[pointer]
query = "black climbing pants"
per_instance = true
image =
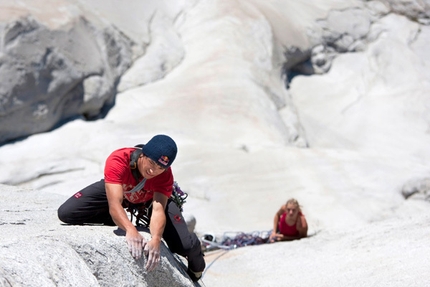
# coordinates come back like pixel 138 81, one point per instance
pixel 90 205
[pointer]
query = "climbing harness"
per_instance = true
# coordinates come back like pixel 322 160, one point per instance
pixel 142 211
pixel 139 211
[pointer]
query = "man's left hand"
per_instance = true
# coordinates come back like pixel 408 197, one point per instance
pixel 152 252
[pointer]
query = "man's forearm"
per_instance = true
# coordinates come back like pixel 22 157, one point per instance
pixel 157 224
pixel 114 195
pixel 119 216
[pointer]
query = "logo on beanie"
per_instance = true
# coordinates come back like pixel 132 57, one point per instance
pixel 164 160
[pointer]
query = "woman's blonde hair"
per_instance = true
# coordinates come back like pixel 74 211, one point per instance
pixel 295 202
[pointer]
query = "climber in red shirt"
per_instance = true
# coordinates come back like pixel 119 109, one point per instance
pixel 289 223
pixel 139 176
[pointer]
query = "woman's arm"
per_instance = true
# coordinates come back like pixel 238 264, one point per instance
pixel 275 236
pixel 302 226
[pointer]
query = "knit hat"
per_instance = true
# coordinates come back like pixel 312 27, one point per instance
pixel 161 149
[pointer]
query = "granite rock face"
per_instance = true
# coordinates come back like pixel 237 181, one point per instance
pixel 72 59
pixel 50 75
pixel 66 60
pixel 324 101
pixel 420 187
pixel 38 250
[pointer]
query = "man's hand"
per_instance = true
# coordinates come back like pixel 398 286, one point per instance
pixel 135 242
pixel 158 222
pixel 152 252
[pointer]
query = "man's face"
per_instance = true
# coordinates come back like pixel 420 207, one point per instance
pixel 149 168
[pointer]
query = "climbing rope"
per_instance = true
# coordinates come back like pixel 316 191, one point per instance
pixel 233 240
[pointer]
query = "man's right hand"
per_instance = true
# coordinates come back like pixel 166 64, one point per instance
pixel 135 242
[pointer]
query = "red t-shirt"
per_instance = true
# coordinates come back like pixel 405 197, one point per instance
pixel 285 229
pixel 117 171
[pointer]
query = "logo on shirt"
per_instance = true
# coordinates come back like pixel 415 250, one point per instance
pixel 163 160
pixel 138 196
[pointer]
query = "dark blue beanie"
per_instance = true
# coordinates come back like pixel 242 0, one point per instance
pixel 161 149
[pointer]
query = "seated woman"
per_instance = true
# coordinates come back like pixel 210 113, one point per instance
pixel 289 223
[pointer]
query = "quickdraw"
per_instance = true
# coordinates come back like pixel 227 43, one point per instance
pixel 178 196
